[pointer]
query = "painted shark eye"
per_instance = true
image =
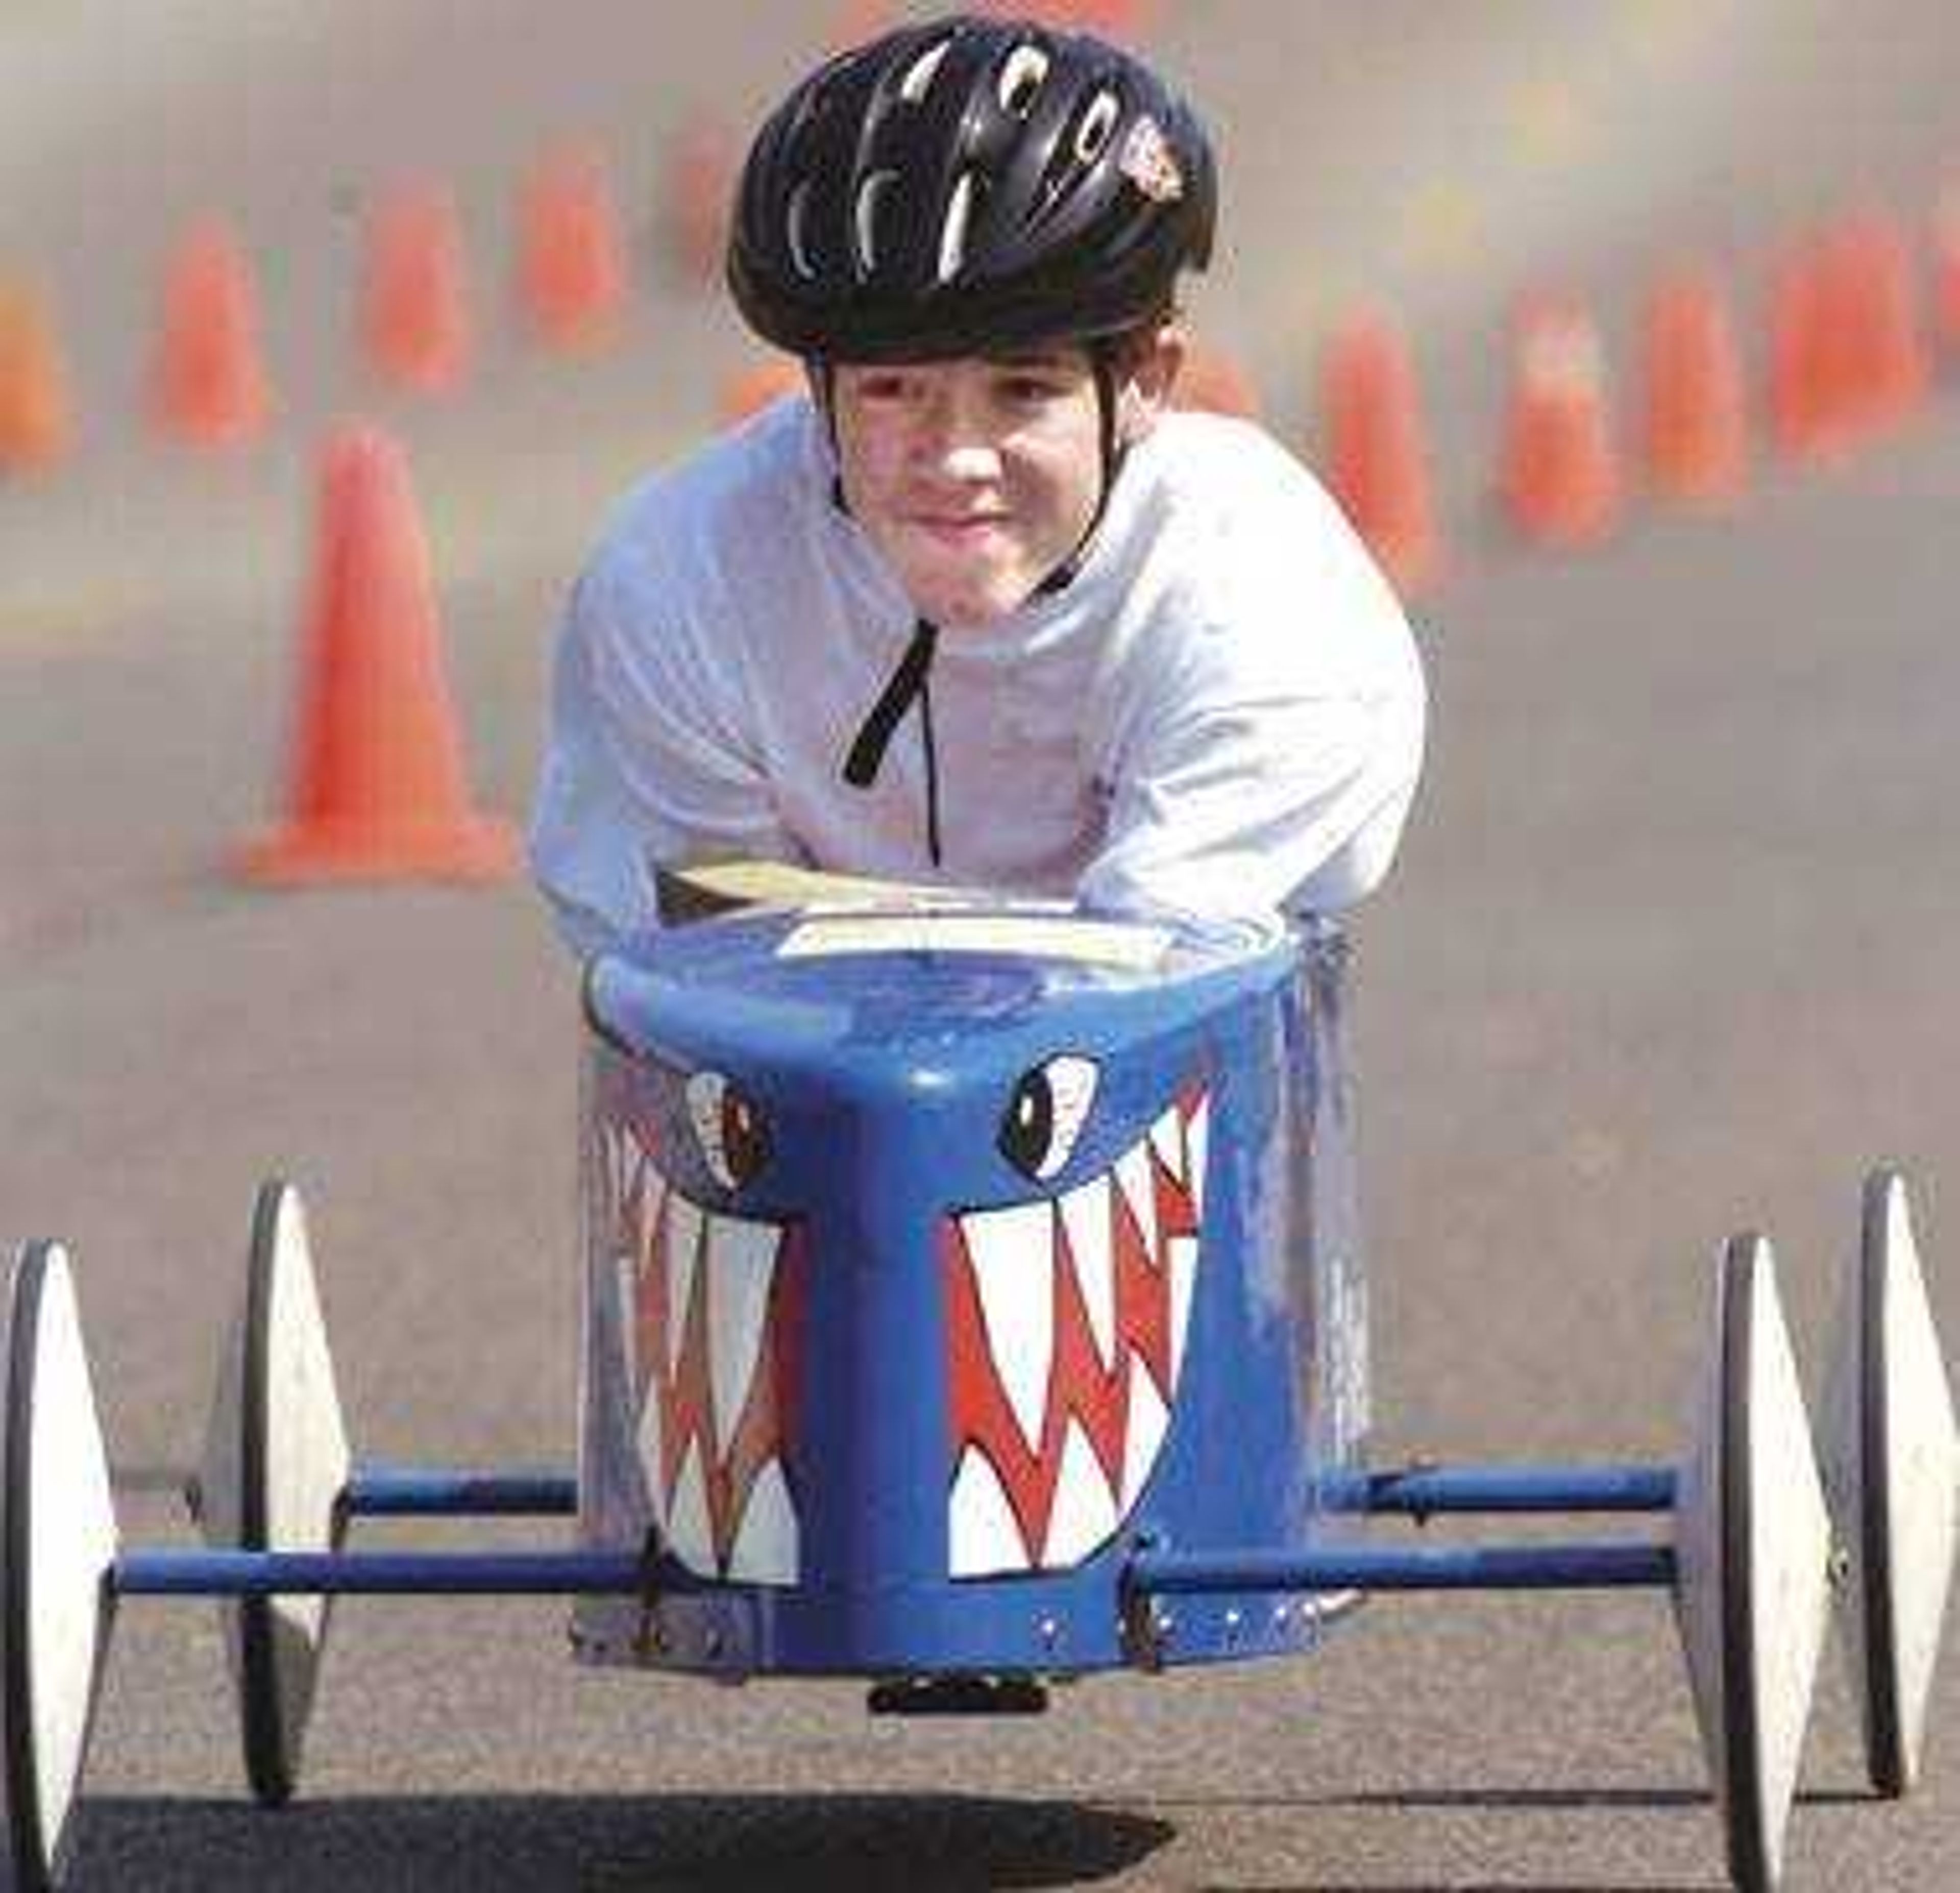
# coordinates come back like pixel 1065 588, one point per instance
pixel 1045 1115
pixel 734 1141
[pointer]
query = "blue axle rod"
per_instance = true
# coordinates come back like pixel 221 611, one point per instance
pixel 196 1574
pixel 389 1491
pixel 212 1573
pixel 1494 1567
pixel 1433 1491
pixel 421 1492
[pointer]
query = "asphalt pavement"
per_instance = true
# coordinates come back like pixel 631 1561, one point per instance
pixel 1669 953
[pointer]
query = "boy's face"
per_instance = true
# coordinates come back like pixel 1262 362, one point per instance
pixel 976 478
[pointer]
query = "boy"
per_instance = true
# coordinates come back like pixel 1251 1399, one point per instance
pixel 981 609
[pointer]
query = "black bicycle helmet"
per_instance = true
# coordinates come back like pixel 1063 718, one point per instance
pixel 967 187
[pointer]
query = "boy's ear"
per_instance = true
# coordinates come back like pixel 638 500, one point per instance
pixel 1147 374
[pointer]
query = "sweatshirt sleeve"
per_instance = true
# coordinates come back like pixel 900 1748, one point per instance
pixel 645 760
pixel 1270 756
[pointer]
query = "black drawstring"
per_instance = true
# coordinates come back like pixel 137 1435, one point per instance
pixel 931 770
pixel 912 679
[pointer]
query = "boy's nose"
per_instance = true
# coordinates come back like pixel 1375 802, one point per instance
pixel 965 461
pixel 954 422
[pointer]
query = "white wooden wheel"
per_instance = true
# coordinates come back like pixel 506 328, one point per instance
pixel 57 1566
pixel 1891 1461
pixel 1754 1547
pixel 276 1467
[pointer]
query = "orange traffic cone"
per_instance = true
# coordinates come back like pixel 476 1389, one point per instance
pixel 1111 19
pixel 1849 353
pixel 1377 467
pixel 209 385
pixel 1211 382
pixel 1803 374
pixel 1560 479
pixel 1115 19
pixel 415 320
pixel 1697 433
pixel 571 265
pixel 854 22
pixel 377 789
pixel 1946 266
pixel 34 417
pixel 1890 377
pixel 749 390
pixel 698 178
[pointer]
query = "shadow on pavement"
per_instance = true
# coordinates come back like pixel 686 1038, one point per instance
pixel 1553 1799
pixel 547 1843
pixel 1539 1798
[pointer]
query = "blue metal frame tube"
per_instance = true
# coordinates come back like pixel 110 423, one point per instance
pixel 1494 1567
pixel 1434 1491
pixel 419 1492
pixel 202 1574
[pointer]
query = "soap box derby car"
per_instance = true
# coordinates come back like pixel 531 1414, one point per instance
pixel 972 1301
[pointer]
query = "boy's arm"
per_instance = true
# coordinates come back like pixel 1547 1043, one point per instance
pixel 643 763
pixel 1268 759
pixel 1236 813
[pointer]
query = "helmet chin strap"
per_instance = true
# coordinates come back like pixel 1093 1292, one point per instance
pixel 1102 365
pixel 823 371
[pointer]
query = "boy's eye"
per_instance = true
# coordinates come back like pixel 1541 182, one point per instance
pixel 1031 387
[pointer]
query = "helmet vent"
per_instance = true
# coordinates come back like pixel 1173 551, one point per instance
pixel 870 196
pixel 953 236
pixel 1092 136
pixel 796 218
pixel 1022 73
pixel 912 88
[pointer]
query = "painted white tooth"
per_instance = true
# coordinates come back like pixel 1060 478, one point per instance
pixel 1085 1215
pixel 765 1545
pixel 1196 1134
pixel 689 1531
pixel 652 1457
pixel 637 1173
pixel 653 1200
pixel 618 1151
pixel 741 1264
pixel 630 1266
pixel 1013 1253
pixel 612 1165
pixel 1133 1176
pixel 1149 1421
pixel 1084 1513
pixel 981 1535
pixel 1167 1139
pixel 625 1285
pixel 683 1249
pixel 630 1163
pixel 1183 1279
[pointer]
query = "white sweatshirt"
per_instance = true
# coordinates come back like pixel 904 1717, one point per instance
pixel 1221 715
